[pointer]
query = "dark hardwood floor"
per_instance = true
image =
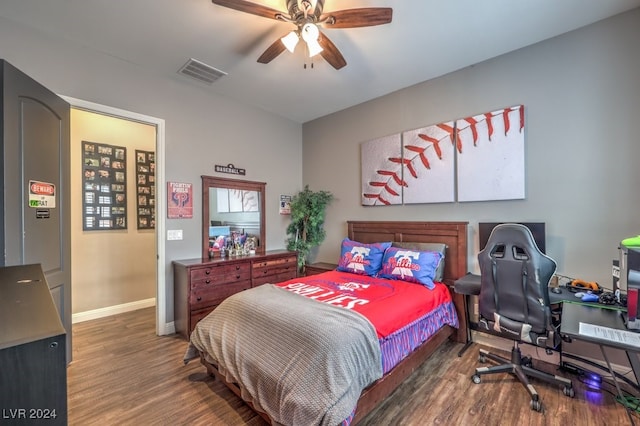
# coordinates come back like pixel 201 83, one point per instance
pixel 123 374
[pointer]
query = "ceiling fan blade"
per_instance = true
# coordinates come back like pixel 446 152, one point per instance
pixel 354 18
pixel 272 52
pixel 330 52
pixel 249 7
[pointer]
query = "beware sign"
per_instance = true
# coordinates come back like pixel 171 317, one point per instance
pixel 42 194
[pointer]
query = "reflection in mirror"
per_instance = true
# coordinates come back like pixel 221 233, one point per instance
pixel 233 215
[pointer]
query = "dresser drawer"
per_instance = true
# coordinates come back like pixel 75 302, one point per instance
pixel 214 294
pixel 272 263
pixel 221 279
pixel 196 316
pixel 218 271
pixel 274 278
pixel 275 270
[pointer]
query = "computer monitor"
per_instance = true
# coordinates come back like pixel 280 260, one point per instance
pixel 537 230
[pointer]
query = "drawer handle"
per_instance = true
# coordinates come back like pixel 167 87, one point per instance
pixel 238 277
pixel 207 272
pixel 199 298
pixel 237 267
pixel 207 282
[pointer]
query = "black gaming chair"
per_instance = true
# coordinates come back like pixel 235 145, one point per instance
pixel 514 303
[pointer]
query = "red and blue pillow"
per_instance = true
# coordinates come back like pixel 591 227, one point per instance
pixel 361 258
pixel 410 265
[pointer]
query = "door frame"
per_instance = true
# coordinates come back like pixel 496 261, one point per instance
pixel 162 327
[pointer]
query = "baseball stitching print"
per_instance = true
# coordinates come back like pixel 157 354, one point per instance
pixel 490 162
pixel 419 167
pixel 381 171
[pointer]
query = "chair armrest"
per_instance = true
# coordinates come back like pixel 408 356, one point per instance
pixel 469 284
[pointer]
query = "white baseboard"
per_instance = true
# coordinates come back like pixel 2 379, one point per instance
pixel 169 328
pixel 113 310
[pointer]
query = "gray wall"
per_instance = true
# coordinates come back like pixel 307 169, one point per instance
pixel 581 92
pixel 202 129
pixel 582 97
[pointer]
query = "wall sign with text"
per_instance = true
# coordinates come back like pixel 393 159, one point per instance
pixel 179 200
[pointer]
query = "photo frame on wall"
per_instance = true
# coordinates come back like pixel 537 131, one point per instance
pixel 104 184
pixel 145 189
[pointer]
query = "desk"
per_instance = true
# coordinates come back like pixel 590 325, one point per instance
pixel 573 314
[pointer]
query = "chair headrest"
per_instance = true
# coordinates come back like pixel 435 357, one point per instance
pixel 511 241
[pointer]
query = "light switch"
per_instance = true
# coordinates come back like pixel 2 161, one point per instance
pixel 174 234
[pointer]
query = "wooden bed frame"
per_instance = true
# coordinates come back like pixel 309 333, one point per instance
pixel 454 235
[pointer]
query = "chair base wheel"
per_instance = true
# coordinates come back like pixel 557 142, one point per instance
pixel 536 405
pixel 568 391
pixel 476 379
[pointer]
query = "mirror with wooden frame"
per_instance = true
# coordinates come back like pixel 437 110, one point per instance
pixel 232 207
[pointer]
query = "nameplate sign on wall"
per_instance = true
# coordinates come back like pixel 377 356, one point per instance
pixel 230 169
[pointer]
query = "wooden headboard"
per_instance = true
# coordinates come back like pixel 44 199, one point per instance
pixel 453 234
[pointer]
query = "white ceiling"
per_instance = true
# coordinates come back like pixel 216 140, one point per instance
pixel 427 39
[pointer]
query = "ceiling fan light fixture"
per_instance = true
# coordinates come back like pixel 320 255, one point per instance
pixel 310 35
pixel 314 48
pixel 290 41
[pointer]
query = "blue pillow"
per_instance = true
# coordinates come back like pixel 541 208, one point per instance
pixel 410 265
pixel 361 258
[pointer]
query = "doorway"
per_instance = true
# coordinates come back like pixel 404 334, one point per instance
pixel 162 327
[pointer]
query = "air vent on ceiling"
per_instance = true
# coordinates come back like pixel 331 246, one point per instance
pixel 201 71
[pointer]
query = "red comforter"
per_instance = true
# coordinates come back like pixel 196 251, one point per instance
pixel 388 304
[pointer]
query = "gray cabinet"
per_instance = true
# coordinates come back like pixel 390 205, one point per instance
pixel 33 369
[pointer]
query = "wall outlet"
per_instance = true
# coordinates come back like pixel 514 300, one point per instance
pixel 174 234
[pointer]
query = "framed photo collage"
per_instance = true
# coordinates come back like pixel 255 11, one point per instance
pixel 104 186
pixel 146 187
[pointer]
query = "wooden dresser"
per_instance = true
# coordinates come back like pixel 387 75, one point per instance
pixel 199 286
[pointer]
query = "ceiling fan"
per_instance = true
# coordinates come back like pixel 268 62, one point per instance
pixel 307 16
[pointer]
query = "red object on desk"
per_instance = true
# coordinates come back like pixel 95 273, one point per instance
pixel 632 303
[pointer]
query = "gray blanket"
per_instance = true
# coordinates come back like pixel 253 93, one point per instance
pixel 300 361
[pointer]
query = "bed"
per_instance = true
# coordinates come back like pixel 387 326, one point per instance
pixel 371 386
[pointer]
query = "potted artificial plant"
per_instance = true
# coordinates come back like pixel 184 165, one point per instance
pixel 307 219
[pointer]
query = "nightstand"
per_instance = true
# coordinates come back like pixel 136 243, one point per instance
pixel 318 268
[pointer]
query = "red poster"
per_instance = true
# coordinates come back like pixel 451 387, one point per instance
pixel 180 200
